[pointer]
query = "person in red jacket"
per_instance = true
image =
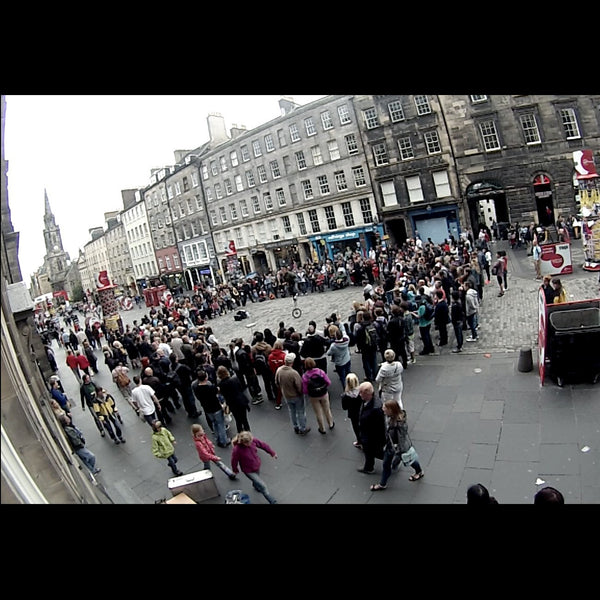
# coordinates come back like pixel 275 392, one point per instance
pixel 82 362
pixel 244 457
pixel 73 364
pixel 275 360
pixel 206 451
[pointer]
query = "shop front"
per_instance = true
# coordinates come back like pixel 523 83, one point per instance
pixel 359 239
pixel 285 253
pixel 436 222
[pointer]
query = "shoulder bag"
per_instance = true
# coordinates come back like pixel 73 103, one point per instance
pixel 410 456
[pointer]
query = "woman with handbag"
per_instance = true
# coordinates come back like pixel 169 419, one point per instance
pixel 398 446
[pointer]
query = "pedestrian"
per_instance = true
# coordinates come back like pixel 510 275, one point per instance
pixel 396 443
pixel 77 443
pixel 206 451
pixel 73 364
pixel 537 258
pixel 389 378
pixel 441 317
pixel 245 371
pixel 367 341
pixel 160 390
pixel 371 423
pixel 244 457
pixel 277 359
pixel 107 413
pixel 560 294
pixel 120 375
pixel 315 346
pixel 235 398
pixel 409 323
pixel 51 357
pixel 396 332
pixel 504 259
pixel 59 395
pixel 83 362
pixel 185 377
pixel 87 392
pixel 351 402
pixel 73 340
pixel 289 382
pixel 425 313
pixel 339 350
pixel 478 494
pixel 471 310
pixel 208 395
pixel 548 289
pixel 260 352
pixel 315 385
pixel 163 446
pixel 498 271
pixel 548 495
pixel 145 400
pixel 457 315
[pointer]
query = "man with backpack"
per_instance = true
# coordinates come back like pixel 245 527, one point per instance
pixel 425 314
pixel 367 341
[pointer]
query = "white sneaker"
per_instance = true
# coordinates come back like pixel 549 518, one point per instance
pixel 470 339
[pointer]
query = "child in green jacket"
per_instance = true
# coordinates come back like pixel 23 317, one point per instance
pixel 163 446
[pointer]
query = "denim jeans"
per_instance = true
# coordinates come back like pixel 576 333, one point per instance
pixel 472 321
pixel 426 338
pixel 388 457
pixel 342 371
pixel 172 462
pixel 297 410
pixel 369 362
pixel 218 421
pixel 458 332
pixel 260 486
pixel 88 458
pixel 221 466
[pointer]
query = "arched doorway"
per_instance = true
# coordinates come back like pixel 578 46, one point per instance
pixel 486 201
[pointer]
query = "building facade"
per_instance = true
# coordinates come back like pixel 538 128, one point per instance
pixel 119 260
pixel 296 189
pixel 514 153
pixel 409 154
pixel 141 249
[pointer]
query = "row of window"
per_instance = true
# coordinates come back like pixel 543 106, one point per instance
pixel 488 132
pixel 226 187
pixel 396 112
pixel 327 218
pixel 255 149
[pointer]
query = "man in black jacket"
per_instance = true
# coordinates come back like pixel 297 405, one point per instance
pixel 396 333
pixel 371 426
pixel 315 346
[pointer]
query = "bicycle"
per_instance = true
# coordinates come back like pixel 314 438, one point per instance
pixel 296 311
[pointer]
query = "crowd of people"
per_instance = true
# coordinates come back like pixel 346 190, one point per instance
pixel 172 358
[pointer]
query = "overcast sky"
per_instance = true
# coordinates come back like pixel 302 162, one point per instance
pixel 83 150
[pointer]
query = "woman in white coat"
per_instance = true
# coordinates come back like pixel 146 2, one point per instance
pixel 389 378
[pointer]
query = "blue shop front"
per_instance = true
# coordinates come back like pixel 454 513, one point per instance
pixel 436 222
pixel 358 239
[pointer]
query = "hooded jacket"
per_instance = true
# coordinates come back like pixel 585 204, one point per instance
pixel 162 443
pixel 340 351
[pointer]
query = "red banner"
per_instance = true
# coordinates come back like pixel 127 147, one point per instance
pixel 584 164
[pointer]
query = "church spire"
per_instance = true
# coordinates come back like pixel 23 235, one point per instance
pixel 47 210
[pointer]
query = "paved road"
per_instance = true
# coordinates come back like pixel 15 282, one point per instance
pixel 472 417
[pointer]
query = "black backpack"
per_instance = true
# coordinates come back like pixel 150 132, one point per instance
pixel 371 336
pixel 317 386
pixel 428 314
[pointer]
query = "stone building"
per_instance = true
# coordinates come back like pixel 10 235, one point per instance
pixel 409 153
pixel 295 189
pixel 516 152
pixel 56 260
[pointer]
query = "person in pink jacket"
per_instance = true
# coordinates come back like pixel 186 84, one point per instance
pixel 244 457
pixel 206 451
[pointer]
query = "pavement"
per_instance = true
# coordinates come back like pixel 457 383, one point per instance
pixel 473 417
